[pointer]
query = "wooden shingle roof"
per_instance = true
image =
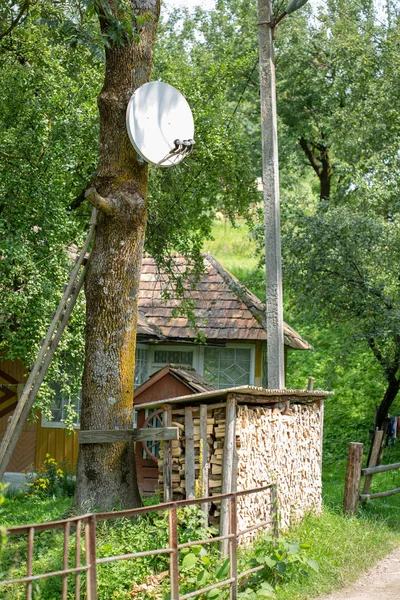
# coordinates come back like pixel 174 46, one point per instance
pixel 223 308
pixel 184 373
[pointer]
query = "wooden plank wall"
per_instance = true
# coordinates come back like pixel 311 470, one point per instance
pixel 58 442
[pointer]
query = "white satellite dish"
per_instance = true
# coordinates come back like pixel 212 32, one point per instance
pixel 160 124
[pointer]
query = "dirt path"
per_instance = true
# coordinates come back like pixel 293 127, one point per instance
pixel 381 582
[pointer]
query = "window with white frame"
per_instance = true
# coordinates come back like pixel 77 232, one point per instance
pixel 61 406
pixel 228 367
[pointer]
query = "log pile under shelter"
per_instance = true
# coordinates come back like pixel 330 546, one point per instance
pixel 245 438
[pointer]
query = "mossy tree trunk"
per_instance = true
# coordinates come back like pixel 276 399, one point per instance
pixel 106 473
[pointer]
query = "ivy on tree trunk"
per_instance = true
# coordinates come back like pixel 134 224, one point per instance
pixel 106 473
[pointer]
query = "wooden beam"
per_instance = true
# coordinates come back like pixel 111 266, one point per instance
pixel 380 494
pixel 189 454
pixel 380 469
pixel 99 436
pixel 227 467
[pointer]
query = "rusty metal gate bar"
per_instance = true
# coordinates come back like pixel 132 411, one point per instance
pixel 90 567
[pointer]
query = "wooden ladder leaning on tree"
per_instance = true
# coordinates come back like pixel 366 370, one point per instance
pixel 49 346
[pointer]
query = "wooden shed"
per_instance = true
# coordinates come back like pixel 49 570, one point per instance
pixel 244 438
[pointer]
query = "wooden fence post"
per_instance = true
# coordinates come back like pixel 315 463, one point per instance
pixel 174 556
pixel 91 573
pixel 373 460
pixel 353 478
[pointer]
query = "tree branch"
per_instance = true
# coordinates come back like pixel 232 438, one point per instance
pixel 311 156
pixel 378 354
pixel 17 19
pixel 106 205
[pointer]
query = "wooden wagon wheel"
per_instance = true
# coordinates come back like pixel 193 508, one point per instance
pixel 155 419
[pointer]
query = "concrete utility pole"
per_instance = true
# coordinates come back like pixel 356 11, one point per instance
pixel 273 262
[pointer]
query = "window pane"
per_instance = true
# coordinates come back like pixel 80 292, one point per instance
pixel 227 367
pixel 59 404
pixel 177 357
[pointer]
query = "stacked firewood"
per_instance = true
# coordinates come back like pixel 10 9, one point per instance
pixel 214 450
pixel 279 446
pixel 275 443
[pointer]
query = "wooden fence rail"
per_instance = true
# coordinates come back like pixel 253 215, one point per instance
pixel 88 522
pixel 354 472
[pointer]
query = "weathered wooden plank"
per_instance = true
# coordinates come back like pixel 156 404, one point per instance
pixel 373 460
pixel 127 435
pixel 227 467
pixel 167 457
pixel 204 458
pixel 353 478
pixel 189 454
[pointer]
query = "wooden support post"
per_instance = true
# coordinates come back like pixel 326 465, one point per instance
pixel 204 459
pixel 174 557
pixel 189 454
pixel 373 460
pixel 353 477
pixel 91 573
pixel 167 457
pixel 65 560
pixel 321 429
pixel 310 387
pixel 78 560
pixel 29 563
pixel 227 467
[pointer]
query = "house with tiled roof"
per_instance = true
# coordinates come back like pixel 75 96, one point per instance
pixel 228 318
pixel 220 341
